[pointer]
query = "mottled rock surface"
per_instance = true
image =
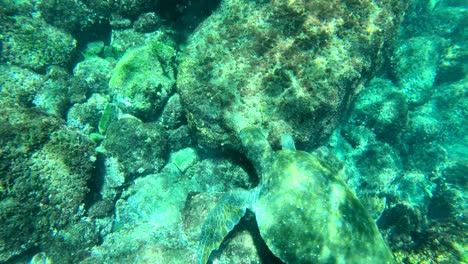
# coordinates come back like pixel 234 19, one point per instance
pixel 139 147
pixel 45 168
pixel 289 66
pixel 34 44
pixel 143 79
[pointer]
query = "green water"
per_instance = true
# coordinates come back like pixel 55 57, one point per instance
pixel 120 129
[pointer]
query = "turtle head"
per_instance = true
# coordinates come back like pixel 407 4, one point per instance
pixel 256 147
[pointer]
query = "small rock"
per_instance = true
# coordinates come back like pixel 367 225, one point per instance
pixel 184 158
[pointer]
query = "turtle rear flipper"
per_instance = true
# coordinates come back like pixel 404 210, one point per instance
pixel 221 220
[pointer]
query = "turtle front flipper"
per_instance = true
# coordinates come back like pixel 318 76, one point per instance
pixel 221 220
pixel 256 147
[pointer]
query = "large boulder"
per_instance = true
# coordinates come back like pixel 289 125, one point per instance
pixel 143 79
pixel 34 44
pixel 288 66
pixel 45 168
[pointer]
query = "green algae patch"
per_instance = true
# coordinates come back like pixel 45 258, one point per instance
pixel 109 114
pixel 143 79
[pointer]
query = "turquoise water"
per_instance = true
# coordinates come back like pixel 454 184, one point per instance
pixel 241 131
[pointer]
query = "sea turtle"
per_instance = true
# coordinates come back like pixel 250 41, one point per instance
pixel 305 213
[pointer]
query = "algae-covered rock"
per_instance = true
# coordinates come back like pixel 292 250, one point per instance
pixel 114 177
pixel 53 92
pixel 180 138
pixel 95 72
pixel 19 86
pixel 45 168
pixel 59 91
pixel 173 116
pixel 132 8
pixel 149 223
pixel 289 66
pixel 86 116
pixel 124 39
pixel 139 147
pixel 381 107
pixel 155 199
pixel 437 40
pixel 404 183
pixel 76 17
pixel 34 44
pixel 147 22
pixel 371 166
pixel 72 243
pixel 416 62
pixel 142 244
pixel 143 79
pixel 372 170
pixel 14 7
pixel 217 175
pixel 159 216
pixel 437 129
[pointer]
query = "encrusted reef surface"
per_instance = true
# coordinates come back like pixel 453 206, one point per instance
pixel 45 169
pixel 288 66
pixel 120 122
